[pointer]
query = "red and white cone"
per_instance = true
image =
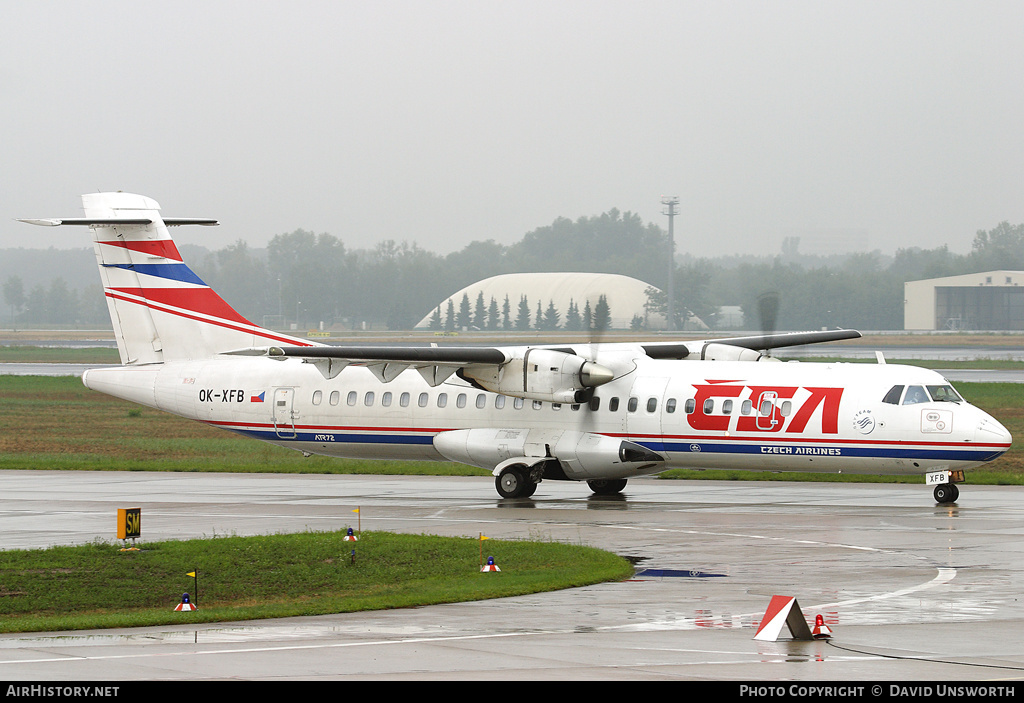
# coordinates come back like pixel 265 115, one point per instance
pixel 820 631
pixel 490 565
pixel 185 604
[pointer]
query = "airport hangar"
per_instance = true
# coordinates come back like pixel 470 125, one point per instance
pixel 991 300
pixel 626 296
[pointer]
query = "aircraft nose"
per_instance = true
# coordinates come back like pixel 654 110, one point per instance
pixel 991 431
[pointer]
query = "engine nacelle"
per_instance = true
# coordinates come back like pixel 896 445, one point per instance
pixel 728 352
pixel 541 374
pixel 581 455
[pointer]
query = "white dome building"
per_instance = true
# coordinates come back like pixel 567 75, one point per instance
pixel 626 296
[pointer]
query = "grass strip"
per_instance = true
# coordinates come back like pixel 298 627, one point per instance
pixel 25 354
pixel 246 578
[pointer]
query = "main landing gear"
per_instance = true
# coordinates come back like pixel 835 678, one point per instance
pixel 520 481
pixel 515 482
pixel 607 487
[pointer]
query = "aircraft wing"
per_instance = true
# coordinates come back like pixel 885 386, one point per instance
pixel 366 354
pixel 435 364
pixel 537 373
pixel 702 348
pixel 462 355
pixel 546 373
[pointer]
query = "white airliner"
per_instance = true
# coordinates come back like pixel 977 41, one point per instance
pixel 601 413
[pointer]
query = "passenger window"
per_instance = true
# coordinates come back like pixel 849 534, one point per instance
pixel 442 400
pixel 670 405
pixel 709 406
pixel 766 408
pixel 368 400
pixel 893 396
pixel 631 405
pixel 335 397
pixel 787 408
pixel 915 394
pixel 689 406
pixel 652 405
pixel 403 400
pixel 385 399
pixel 746 407
pixel 317 397
pixel 575 406
pixel 556 406
pixel 613 404
pixel 422 400
pixel 481 401
pixel 537 405
pixel 352 396
pixel 595 403
pixel 517 403
pixel 499 401
pixel 460 401
pixel 727 407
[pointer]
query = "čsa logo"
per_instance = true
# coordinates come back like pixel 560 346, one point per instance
pixel 783 409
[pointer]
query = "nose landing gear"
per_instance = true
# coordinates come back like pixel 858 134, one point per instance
pixel 946 493
pixel 945 484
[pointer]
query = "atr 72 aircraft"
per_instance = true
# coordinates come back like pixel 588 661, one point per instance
pixel 601 413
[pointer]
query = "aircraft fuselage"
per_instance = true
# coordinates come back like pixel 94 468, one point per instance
pixel 768 416
pixel 602 413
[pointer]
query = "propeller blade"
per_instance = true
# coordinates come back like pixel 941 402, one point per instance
pixel 768 309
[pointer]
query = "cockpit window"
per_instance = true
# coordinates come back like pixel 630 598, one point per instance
pixel 944 394
pixel 893 396
pixel 915 394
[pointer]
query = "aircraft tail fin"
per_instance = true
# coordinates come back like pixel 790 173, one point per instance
pixel 160 309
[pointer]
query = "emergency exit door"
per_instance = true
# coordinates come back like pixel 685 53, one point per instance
pixel 284 413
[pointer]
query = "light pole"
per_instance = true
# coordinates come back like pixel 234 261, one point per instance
pixel 671 212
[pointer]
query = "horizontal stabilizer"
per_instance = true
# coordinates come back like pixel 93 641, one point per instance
pixel 116 222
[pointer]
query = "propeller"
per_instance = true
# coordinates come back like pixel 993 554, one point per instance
pixel 594 334
pixel 768 312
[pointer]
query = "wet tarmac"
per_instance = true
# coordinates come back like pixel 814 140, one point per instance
pixel 913 591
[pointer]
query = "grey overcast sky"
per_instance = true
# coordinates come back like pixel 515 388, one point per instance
pixel 855 125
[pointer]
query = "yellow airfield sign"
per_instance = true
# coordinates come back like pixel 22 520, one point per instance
pixel 129 523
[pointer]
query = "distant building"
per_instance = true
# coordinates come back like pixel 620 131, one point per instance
pixel 993 300
pixel 626 296
pixel 730 317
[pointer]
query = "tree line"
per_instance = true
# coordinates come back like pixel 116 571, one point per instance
pixel 488 317
pixel 305 278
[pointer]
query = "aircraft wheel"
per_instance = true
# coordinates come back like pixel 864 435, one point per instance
pixel 512 483
pixel 946 493
pixel 607 487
